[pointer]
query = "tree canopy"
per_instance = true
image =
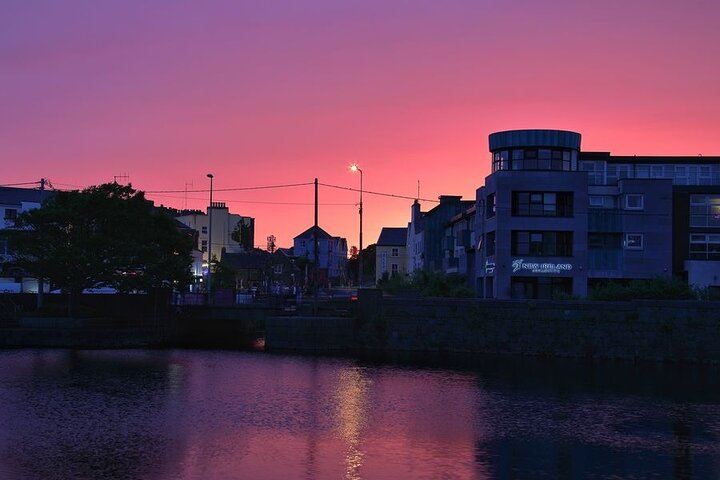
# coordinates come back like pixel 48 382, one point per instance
pixel 108 235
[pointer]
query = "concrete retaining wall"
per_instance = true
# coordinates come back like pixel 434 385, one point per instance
pixel 639 330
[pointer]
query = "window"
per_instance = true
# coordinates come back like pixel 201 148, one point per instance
pixel 277 269
pixel 490 206
pixel 394 269
pixel 542 159
pixel 10 213
pixel 203 246
pixel 542 204
pixel 704 247
pixel 539 287
pixel 597 200
pixel 490 244
pixel 302 243
pixel 705 211
pixel 204 230
pixel 500 160
pixel 542 243
pixel 395 252
pixel 595 171
pixel 634 201
pixel 634 241
pixel 606 241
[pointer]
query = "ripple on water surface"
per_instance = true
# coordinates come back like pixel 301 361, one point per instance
pixel 196 414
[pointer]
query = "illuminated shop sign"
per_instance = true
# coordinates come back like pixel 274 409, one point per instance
pixel 534 267
pixel 489 267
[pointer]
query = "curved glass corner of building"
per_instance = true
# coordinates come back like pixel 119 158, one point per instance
pixel 555 150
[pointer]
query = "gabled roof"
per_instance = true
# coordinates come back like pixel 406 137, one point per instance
pixel 392 237
pixel 255 259
pixel 15 196
pixel 288 252
pixel 309 233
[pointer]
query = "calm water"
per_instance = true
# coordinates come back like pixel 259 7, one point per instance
pixel 223 415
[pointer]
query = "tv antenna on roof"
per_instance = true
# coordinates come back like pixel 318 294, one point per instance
pixel 187 184
pixel 123 177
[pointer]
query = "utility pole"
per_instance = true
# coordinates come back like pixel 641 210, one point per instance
pixel 209 274
pixel 40 280
pixel 316 248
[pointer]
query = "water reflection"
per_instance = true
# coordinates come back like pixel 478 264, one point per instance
pixel 189 415
pixel 351 394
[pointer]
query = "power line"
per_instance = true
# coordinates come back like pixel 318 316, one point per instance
pixel 253 201
pixel 236 189
pixel 370 192
pixel 18 184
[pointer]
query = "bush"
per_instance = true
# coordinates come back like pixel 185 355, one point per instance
pixel 428 284
pixel 707 293
pixel 652 289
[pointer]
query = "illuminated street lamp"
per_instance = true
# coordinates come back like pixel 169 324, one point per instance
pixel 209 275
pixel 354 167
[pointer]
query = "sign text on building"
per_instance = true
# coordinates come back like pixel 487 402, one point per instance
pixel 535 267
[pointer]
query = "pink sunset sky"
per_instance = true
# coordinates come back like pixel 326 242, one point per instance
pixel 280 92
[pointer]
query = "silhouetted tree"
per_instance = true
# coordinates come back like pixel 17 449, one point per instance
pixel 107 235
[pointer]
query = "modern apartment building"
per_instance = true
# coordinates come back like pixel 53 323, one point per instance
pixel 427 238
pixel 551 218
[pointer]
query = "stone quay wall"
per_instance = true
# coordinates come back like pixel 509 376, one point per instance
pixel 675 331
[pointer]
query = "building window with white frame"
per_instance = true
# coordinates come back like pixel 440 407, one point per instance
pixel 395 252
pixel 394 269
pixel 277 269
pixel 634 201
pixel 705 211
pixel 704 246
pixel 634 241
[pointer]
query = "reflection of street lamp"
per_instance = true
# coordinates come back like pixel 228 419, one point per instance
pixel 209 275
pixel 355 168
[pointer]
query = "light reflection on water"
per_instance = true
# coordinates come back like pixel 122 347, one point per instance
pixel 206 415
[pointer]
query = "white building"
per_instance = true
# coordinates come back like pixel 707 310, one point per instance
pixel 13 202
pixel 231 233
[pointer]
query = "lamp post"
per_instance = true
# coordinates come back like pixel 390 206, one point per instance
pixel 209 275
pixel 354 167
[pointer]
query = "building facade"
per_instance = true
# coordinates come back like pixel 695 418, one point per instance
pixel 460 245
pixel 231 233
pixel 553 220
pixel 13 202
pixel 391 253
pixel 426 240
pixel 332 255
